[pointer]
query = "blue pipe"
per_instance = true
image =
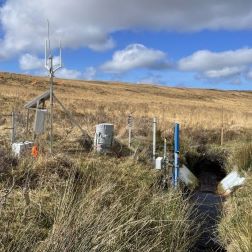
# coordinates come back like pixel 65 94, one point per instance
pixel 175 173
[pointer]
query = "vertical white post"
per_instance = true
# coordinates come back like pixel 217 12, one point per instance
pixel 222 126
pixel 130 129
pixel 165 154
pixel 51 103
pixel 129 136
pixel 60 64
pixel 164 165
pixel 154 139
pixel 46 63
pixel 27 122
pixel 13 127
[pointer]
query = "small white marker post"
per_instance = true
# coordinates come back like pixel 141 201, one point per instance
pixel 222 126
pixel 130 128
pixel 154 139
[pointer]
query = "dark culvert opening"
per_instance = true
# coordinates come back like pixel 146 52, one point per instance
pixel 207 204
pixel 210 171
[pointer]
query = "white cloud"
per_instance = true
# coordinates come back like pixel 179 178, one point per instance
pixel 224 72
pixel 25 28
pixel 205 60
pixel 217 64
pixel 249 74
pixel 30 62
pixel 65 73
pixel 35 65
pixel 151 78
pixel 90 23
pixel 147 80
pixel 89 73
pixel 135 56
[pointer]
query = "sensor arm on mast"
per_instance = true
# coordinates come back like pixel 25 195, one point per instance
pixel 60 59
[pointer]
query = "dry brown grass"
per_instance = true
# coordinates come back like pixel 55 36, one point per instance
pixel 95 204
pixel 236 225
pixel 92 102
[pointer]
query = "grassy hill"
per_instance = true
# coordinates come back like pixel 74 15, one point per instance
pixel 190 107
pixel 92 102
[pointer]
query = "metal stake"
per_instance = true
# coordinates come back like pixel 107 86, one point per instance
pixel 13 127
pixel 130 128
pixel 222 126
pixel 154 139
pixel 165 161
pixel 27 121
pixel 51 104
pixel 165 150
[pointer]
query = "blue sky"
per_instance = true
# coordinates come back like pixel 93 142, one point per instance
pixel 203 44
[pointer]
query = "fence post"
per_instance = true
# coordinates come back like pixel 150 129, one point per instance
pixel 154 139
pixel 13 127
pixel 222 127
pixel 165 160
pixel 130 129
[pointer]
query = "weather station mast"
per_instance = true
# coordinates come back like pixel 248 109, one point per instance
pixel 51 68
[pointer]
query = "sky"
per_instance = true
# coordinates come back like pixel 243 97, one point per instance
pixel 182 43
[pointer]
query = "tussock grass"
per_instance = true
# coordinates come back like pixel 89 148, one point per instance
pixel 243 157
pixel 236 225
pixel 104 204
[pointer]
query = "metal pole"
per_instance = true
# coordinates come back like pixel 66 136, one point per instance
pixel 129 136
pixel 165 159
pixel 165 150
pixel 51 104
pixel 13 127
pixel 175 174
pixel 27 122
pixel 73 121
pixel 34 129
pixel 129 128
pixel 52 69
pixel 154 139
pixel 222 127
pixel 165 164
